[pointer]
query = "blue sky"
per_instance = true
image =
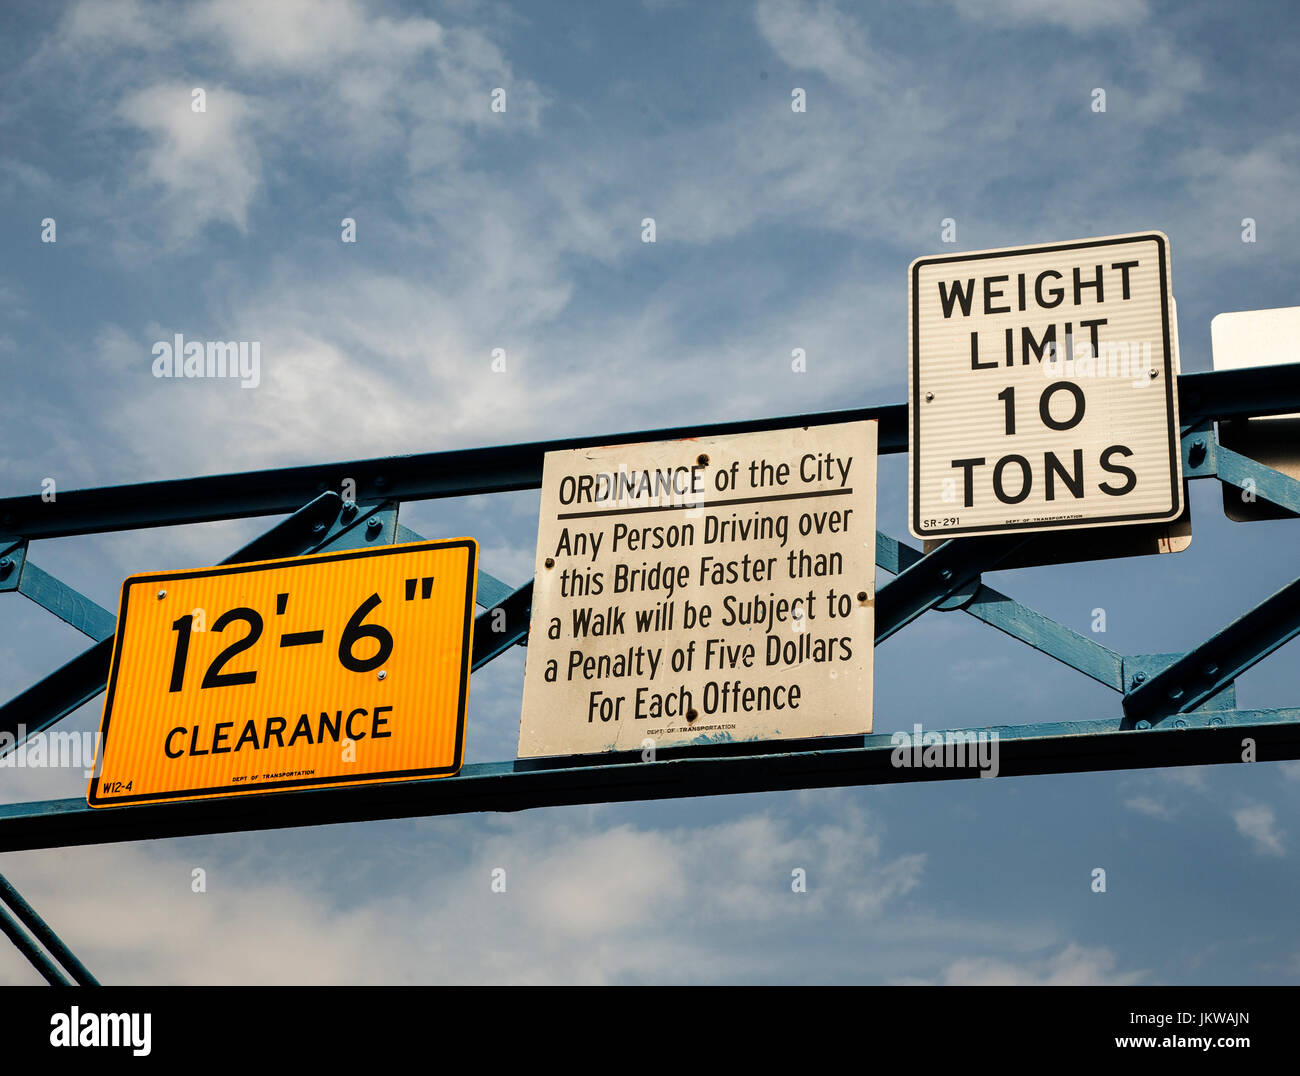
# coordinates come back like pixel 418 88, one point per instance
pixel 522 230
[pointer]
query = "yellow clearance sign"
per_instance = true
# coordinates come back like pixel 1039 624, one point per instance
pixel 333 669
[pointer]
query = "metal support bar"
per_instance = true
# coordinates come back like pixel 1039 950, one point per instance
pixel 927 581
pixel 1198 446
pixel 45 935
pixel 489 592
pixel 1268 484
pixel 894 556
pixel 456 473
pixel 55 696
pixel 69 605
pixel 1246 393
pixel 33 952
pixel 358 526
pixel 1019 621
pixel 488 641
pixel 1046 635
pixel 1204 670
pixel 13 555
pixel 291 536
pixel 1138 668
pixel 719 769
pixel 1220 394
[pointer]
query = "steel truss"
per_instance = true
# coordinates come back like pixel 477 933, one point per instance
pixel 1175 709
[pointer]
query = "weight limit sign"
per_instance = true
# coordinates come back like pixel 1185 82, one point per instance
pixel 1041 388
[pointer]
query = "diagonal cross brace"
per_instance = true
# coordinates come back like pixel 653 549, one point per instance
pixel 36 956
pixel 1014 619
pixel 1203 671
pixel 928 580
pixel 42 932
pixel 489 592
pixel 498 629
pixel 69 605
pixel 1264 482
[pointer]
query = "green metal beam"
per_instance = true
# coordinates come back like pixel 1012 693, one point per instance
pixel 501 468
pixel 1014 619
pixel 1196 676
pixel 708 770
pixel 69 605
pixel 1266 483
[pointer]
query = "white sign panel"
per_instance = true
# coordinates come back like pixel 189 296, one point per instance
pixel 1245 338
pixel 1041 388
pixel 706 590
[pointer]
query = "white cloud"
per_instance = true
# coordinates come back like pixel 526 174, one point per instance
pixel 296 34
pixel 206 164
pixel 1075 965
pixel 365 364
pixel 99 23
pixel 365 66
pixel 1169 79
pixel 332 83
pixel 1194 777
pixel 1152 807
pixel 584 903
pixel 1082 17
pixel 1259 824
pixel 1240 180
pixel 819 37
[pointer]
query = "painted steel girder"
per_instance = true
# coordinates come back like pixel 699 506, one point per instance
pixel 719 769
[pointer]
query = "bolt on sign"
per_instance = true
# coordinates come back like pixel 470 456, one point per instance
pixel 1258 338
pixel 1041 389
pixel 705 590
pixel 332 669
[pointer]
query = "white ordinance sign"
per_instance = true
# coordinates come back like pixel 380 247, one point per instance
pixel 707 590
pixel 1041 388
